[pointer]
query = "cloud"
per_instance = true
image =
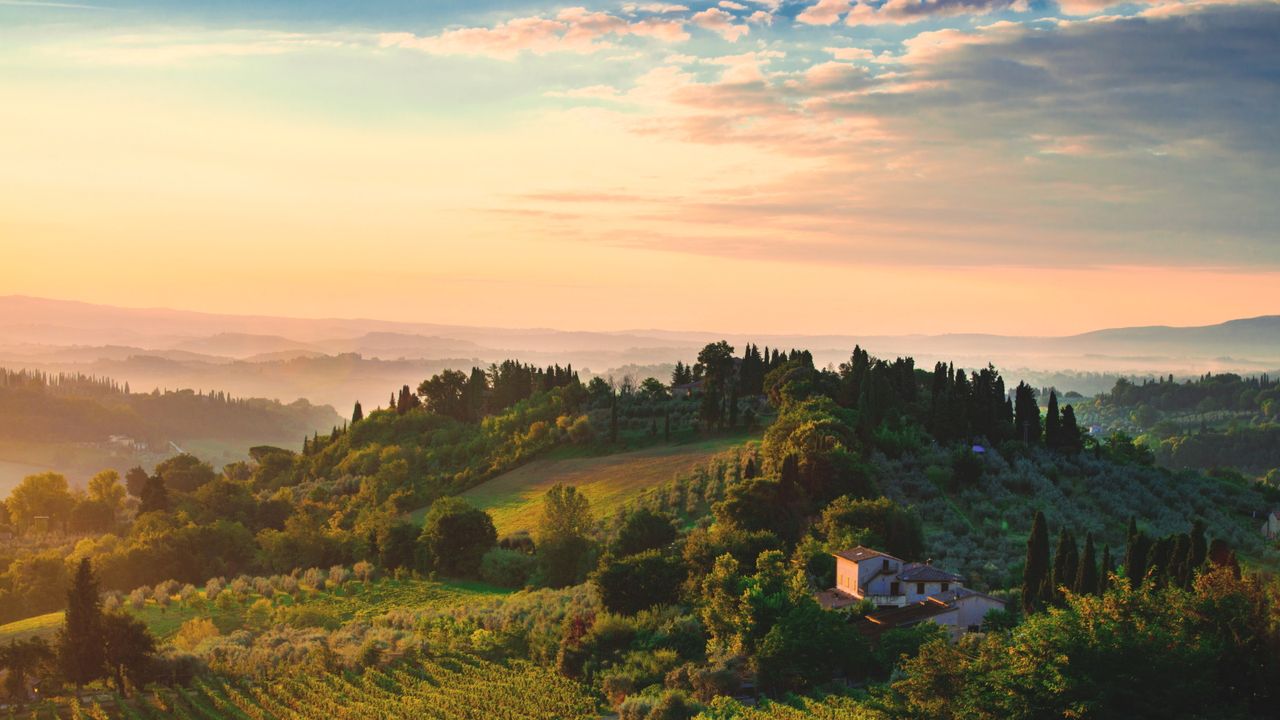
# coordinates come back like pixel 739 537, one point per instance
pixel 178 48
pixel 731 5
pixel 572 30
pixel 655 8
pixel 591 92
pixel 824 12
pixel 1083 142
pixel 902 12
pixel 720 22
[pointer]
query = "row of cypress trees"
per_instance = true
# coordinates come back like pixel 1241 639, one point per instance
pixel 1171 560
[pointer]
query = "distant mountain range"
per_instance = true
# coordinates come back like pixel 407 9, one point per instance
pixel 339 360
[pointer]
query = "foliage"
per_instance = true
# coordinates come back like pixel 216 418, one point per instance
pixel 1133 652
pixel 456 536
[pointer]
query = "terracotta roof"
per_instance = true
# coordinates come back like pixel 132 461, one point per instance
pixel 964 592
pixel 912 614
pixel 922 572
pixel 861 553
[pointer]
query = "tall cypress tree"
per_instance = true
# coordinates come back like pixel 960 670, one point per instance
pixel 1087 572
pixel 613 417
pixel 1026 414
pixel 1135 555
pixel 1053 423
pixel 1105 569
pixel 81 654
pixel 1064 564
pixel 1036 568
pixel 1071 439
pixel 357 414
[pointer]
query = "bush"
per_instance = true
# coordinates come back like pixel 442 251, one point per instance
pixel 193 632
pixel 507 568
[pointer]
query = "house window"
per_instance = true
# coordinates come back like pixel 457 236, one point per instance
pixel 884 564
pixel 894 589
pixel 946 587
pixel 919 588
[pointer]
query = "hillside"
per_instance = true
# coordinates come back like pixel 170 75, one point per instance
pixel 79 424
pixel 514 499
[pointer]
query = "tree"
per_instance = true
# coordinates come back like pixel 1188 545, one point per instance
pixel 128 649
pixel 1065 563
pixel 562 535
pixel 1053 424
pixel 1072 441
pixel 1036 569
pixel 80 641
pixel 105 487
pixel 184 473
pixel 135 480
pixel 357 413
pixel 155 496
pixel 1026 413
pixel 644 529
pixel 445 394
pixel 716 361
pixel 1086 582
pixel 21 659
pixel 1104 570
pixel 398 547
pixel 455 537
pixel 653 389
pixel 633 583
pixel 45 495
pixel 613 417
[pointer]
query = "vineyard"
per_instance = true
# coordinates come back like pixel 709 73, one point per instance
pixel 450 688
pixel 830 708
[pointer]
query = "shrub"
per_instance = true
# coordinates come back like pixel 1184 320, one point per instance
pixel 193 632
pixel 507 568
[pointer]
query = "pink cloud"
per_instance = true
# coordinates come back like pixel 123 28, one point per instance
pixel 902 12
pixel 720 22
pixel 573 30
pixel 824 12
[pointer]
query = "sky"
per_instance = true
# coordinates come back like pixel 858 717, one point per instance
pixel 839 166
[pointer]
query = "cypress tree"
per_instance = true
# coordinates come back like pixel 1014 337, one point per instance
pixel 1104 573
pixel 1053 423
pixel 1087 572
pixel 1071 439
pixel 1064 564
pixel 1036 568
pixel 81 655
pixel 357 414
pixel 1026 414
pixel 613 417
pixel 1199 546
pixel 1135 555
pixel 1158 560
pixel 666 426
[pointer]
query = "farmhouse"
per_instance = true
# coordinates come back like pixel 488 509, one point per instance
pixel 905 594
pixel 1271 528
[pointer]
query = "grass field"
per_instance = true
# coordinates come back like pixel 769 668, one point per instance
pixel 514 499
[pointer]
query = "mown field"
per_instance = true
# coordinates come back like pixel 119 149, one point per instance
pixel 514 499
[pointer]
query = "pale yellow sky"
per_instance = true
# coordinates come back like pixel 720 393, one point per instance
pixel 713 179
